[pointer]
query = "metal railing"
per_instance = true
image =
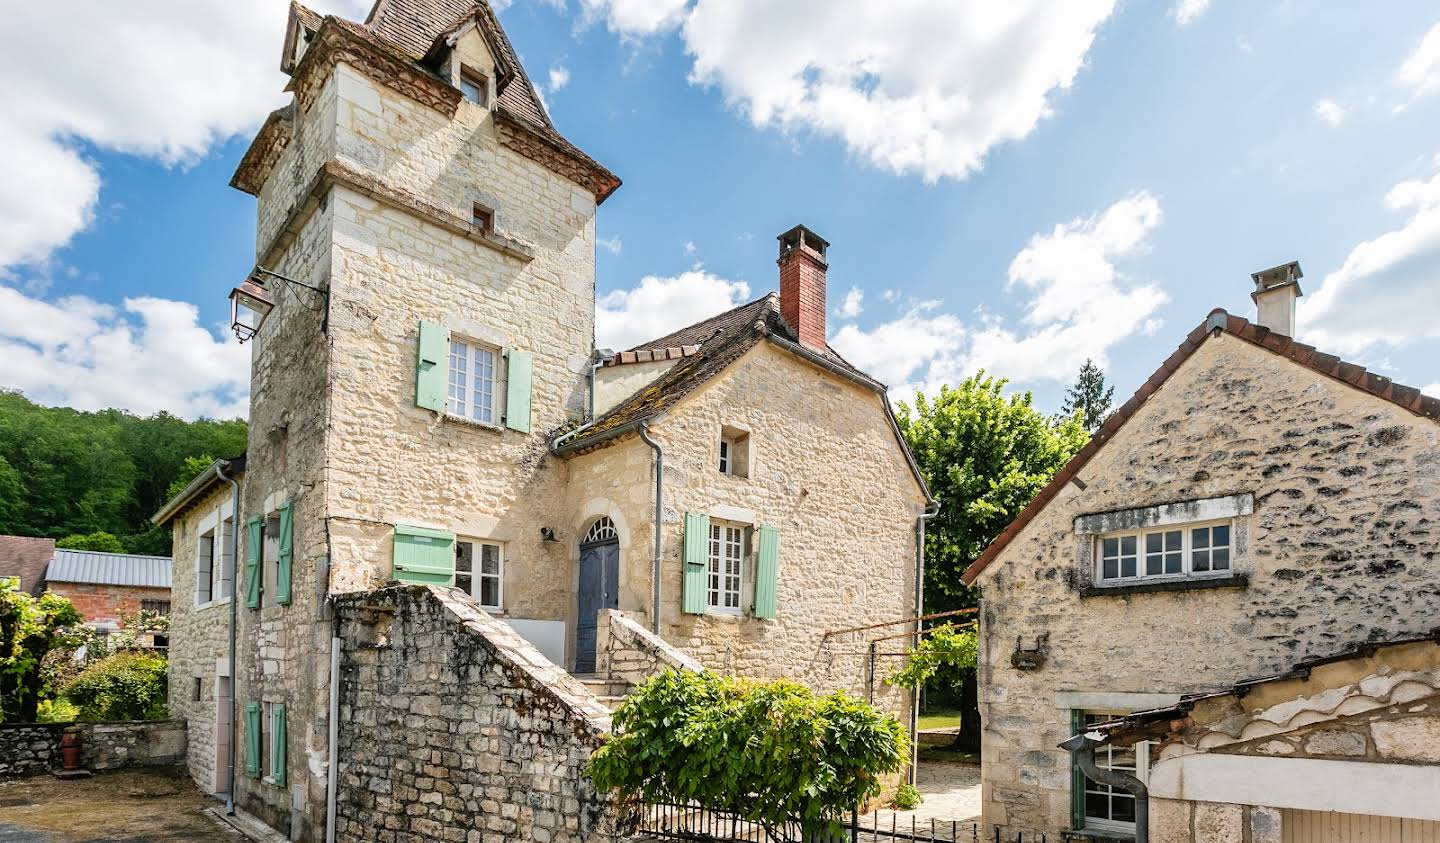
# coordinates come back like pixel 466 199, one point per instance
pixel 692 822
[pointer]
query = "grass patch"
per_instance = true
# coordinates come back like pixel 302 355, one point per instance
pixel 941 719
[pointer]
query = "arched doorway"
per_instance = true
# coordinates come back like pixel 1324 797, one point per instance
pixel 599 587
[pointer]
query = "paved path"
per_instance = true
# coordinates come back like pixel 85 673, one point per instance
pixel 952 800
pixel 126 807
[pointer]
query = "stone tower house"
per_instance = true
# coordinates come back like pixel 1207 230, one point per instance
pixel 428 407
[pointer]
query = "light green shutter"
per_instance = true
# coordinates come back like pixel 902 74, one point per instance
pixel 697 561
pixel 277 753
pixel 431 367
pixel 254 540
pixel 252 739
pixel 423 555
pixel 767 570
pixel 517 390
pixel 287 543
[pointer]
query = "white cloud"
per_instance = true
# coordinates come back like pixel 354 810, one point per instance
pixel 613 245
pixel 148 356
pixel 1421 71
pixel 926 86
pixel 1385 291
pixel 1432 389
pixel 559 77
pixel 661 304
pixel 1078 304
pixel 635 17
pixel 148 78
pixel 1330 112
pixel 1186 11
pixel 688 247
pixel 853 303
pixel 891 296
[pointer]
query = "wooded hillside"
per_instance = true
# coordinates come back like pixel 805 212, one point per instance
pixel 63 471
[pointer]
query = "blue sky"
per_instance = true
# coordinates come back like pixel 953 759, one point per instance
pixel 1077 179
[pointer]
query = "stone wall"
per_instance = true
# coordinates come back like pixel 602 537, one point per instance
pixel 32 748
pixel 627 653
pixel 1346 491
pixel 825 469
pixel 452 727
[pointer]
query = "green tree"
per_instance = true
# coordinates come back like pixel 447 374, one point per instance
pixel 30 628
pixel 985 456
pixel 125 686
pixel 771 752
pixel 1089 398
pixel 189 470
pixel 98 540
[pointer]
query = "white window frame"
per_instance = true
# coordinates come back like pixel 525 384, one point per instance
pixel 205 547
pixel 267 740
pixel 726 448
pixel 472 581
pixel 212 548
pixel 463 405
pixel 1142 554
pixel 724 538
pixel 1142 772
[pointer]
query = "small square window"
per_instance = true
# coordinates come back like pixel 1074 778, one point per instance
pixel 483 218
pixel 734 455
pixel 196 689
pixel 475 87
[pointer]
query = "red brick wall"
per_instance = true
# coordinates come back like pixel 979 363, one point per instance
pixel 802 294
pixel 106 602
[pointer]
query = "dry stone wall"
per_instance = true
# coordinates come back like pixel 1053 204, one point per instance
pixel 455 728
pixel 1340 549
pixel 32 748
pixel 628 653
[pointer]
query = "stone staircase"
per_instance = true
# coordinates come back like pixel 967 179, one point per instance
pixel 606 690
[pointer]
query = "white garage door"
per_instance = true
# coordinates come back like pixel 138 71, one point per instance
pixel 1325 827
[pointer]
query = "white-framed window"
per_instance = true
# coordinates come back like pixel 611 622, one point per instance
pixel 734 452
pixel 475 87
pixel 480 570
pixel 1170 552
pixel 725 447
pixel 727 550
pixel 214 563
pixel 473 383
pixel 267 737
pixel 1104 807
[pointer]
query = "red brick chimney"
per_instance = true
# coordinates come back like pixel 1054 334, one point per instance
pixel 802 284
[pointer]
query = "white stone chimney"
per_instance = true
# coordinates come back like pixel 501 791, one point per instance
pixel 1276 290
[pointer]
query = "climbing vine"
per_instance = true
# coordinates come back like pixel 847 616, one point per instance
pixel 945 646
pixel 771 752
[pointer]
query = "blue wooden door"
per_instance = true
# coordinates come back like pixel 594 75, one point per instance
pixel 599 590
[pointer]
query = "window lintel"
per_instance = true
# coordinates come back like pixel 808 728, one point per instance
pixel 1164 515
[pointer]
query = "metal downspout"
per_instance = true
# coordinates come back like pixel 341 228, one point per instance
pixel 234 616
pixel 333 736
pixel 659 522
pixel 931 510
pixel 1082 747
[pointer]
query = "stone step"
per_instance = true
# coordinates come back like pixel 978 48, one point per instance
pixel 611 702
pixel 602 687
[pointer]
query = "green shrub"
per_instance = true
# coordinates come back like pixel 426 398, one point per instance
pixel 907 798
pixel 125 686
pixel 98 540
pixel 56 711
pixel 771 752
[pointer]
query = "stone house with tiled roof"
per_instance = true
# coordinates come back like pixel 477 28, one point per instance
pixel 1256 509
pixel 458 526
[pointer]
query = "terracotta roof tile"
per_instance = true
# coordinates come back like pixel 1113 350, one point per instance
pixel 1406 397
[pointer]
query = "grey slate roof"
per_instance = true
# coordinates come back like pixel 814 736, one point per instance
pixel 91 566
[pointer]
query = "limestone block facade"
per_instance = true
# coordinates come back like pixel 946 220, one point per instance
pixel 1332 497
pixel 415 212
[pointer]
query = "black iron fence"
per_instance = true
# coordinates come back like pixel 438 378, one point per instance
pixel 690 822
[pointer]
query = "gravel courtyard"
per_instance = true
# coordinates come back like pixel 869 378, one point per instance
pixel 127 807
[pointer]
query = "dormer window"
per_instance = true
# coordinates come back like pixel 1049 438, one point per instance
pixel 475 87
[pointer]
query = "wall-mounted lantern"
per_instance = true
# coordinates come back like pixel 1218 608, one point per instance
pixel 251 302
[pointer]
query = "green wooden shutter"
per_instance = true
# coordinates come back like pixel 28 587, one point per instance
pixel 431 367
pixel 423 555
pixel 287 543
pixel 277 751
pixel 697 562
pixel 1077 778
pixel 254 541
pixel 252 739
pixel 517 390
pixel 767 571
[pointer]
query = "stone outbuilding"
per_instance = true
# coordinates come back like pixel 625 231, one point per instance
pixel 428 409
pixel 1256 505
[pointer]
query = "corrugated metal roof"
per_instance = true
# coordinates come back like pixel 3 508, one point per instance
pixel 91 566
